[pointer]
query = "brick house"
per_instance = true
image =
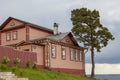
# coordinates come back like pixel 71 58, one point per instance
pixel 55 51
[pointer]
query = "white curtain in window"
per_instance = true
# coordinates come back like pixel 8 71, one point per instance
pixel 14 35
pixel 53 51
pixel 76 56
pixel 71 54
pixel 80 55
pixel 8 36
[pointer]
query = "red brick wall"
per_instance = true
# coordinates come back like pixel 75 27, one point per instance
pixel 22 55
pixel 0 38
pixel 70 71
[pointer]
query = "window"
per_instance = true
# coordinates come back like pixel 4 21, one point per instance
pixel 12 24
pixel 67 40
pixel 76 55
pixel 14 35
pixel 71 54
pixel 26 50
pixel 63 53
pixel 8 36
pixel 80 55
pixel 53 51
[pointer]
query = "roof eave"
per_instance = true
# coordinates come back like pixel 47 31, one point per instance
pixel 27 23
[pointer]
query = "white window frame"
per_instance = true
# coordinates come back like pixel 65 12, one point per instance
pixel 8 36
pixel 63 54
pixel 71 54
pixel 14 35
pixel 53 51
pixel 81 56
pixel 76 55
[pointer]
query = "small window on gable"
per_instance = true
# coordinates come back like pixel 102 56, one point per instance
pixel 63 54
pixel 67 40
pixel 12 24
pixel 80 55
pixel 71 54
pixel 53 51
pixel 14 35
pixel 26 49
pixel 8 36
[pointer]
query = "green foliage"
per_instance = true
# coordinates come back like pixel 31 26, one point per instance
pixel 28 64
pixel 16 61
pixel 21 73
pixel 32 74
pixel 35 66
pixel 88 29
pixel 5 60
pixel 14 68
pixel 3 67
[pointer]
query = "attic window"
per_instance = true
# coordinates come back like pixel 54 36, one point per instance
pixel 12 24
pixel 26 50
pixel 67 40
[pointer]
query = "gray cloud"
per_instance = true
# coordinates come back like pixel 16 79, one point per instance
pixel 45 13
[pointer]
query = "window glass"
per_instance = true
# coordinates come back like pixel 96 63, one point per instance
pixel 63 53
pixel 8 36
pixel 15 35
pixel 53 51
pixel 76 55
pixel 26 49
pixel 71 54
pixel 80 55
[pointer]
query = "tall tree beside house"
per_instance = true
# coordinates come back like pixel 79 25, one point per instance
pixel 88 29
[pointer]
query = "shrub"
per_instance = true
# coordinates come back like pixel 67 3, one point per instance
pixel 5 60
pixel 2 79
pixel 16 61
pixel 28 64
pixel 35 66
pixel 14 68
pixel 21 73
pixel 3 67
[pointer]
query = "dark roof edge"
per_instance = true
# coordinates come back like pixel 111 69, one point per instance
pixel 25 22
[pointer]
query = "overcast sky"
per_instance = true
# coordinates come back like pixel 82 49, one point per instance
pixel 46 12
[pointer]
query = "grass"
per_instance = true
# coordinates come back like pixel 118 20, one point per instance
pixel 35 74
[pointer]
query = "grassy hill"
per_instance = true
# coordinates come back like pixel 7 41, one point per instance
pixel 35 74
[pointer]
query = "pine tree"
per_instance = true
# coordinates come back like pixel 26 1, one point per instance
pixel 88 29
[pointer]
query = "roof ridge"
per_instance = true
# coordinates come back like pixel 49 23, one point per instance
pixel 29 23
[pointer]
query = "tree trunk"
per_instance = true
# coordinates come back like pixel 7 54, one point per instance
pixel 93 63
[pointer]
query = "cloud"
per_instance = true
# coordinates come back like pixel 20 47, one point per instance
pixel 104 69
pixel 109 54
pixel 109 15
pixel 45 13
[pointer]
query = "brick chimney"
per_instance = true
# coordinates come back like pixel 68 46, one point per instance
pixel 55 31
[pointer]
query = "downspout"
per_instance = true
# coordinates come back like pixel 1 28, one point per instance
pixel 48 53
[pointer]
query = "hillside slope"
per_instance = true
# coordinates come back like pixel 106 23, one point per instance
pixel 34 74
